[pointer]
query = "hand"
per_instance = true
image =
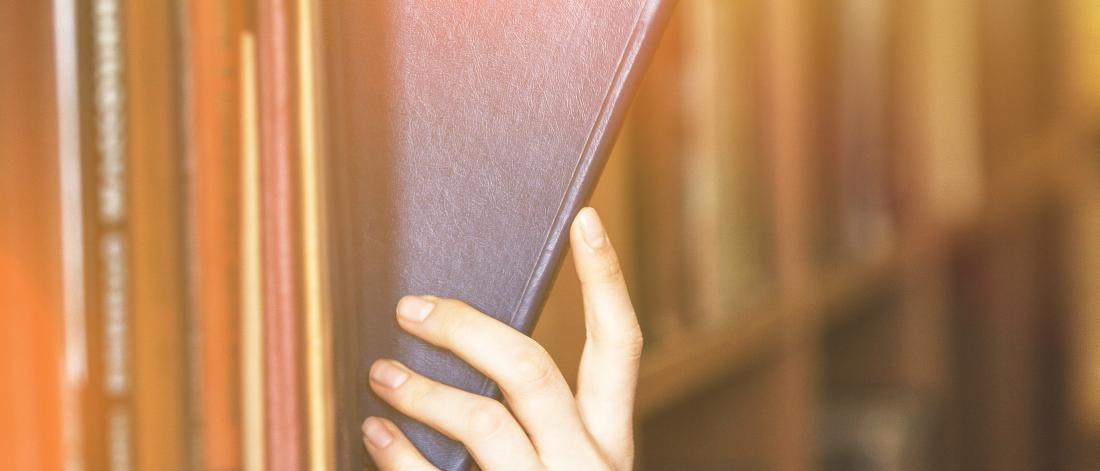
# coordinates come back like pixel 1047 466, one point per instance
pixel 544 425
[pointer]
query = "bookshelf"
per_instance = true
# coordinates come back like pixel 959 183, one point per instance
pixel 680 366
pixel 973 310
pixel 832 214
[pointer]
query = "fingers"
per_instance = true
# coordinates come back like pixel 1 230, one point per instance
pixel 609 366
pixel 529 379
pixel 483 425
pixel 391 449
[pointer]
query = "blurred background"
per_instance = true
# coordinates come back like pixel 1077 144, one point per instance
pixel 863 235
pixel 860 235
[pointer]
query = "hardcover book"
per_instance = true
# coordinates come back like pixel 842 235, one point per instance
pixel 460 140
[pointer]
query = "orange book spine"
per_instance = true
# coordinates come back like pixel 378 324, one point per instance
pixel 212 30
pixel 31 286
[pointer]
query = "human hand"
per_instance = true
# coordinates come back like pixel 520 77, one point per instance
pixel 544 426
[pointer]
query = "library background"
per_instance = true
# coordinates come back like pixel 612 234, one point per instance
pixel 860 235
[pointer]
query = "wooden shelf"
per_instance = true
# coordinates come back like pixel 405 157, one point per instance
pixel 681 366
pixel 688 363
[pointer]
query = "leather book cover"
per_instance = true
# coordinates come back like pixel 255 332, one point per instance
pixel 460 140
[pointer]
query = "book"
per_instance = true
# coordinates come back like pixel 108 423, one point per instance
pixel 1015 63
pixel 66 21
pixel 108 403
pixel 726 232
pixel 211 51
pixel 659 127
pixel 950 131
pixel 34 378
pixel 884 434
pixel 1080 38
pixel 462 138
pixel 280 182
pixel 251 273
pixel 318 359
pixel 156 232
pixel 861 118
pixel 703 154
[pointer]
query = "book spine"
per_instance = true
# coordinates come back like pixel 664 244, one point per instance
pixel 109 249
pixel 156 235
pixel 317 325
pixel 353 45
pixel 1082 68
pixel 75 349
pixel 660 134
pixel 282 297
pixel 950 129
pixel 251 260
pixel 31 264
pixel 788 136
pixel 866 222
pixel 702 158
pixel 212 28
pixel 745 250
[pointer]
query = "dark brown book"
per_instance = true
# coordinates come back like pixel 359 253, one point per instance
pixel 108 438
pixel 462 138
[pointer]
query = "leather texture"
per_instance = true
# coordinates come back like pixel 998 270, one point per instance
pixel 463 137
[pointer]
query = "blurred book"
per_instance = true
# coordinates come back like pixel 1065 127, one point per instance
pixel 876 435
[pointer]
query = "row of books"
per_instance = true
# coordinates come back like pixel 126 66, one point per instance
pixel 703 140
pixel 186 148
pixel 863 115
pixel 910 119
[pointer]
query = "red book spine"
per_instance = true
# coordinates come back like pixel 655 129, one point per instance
pixel 280 286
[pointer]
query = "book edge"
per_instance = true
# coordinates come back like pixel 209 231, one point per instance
pixel 646 32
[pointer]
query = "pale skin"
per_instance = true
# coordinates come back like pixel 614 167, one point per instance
pixel 545 426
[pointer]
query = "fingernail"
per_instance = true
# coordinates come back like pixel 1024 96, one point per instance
pixel 388 374
pixel 592 229
pixel 414 308
pixel 377 433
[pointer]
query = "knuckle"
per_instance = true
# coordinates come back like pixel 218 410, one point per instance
pixel 486 418
pixel 415 396
pixel 454 327
pixel 611 269
pixel 628 342
pixel 532 368
pixel 455 305
pixel 457 318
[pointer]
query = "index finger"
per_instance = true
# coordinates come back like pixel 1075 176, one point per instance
pixel 612 350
